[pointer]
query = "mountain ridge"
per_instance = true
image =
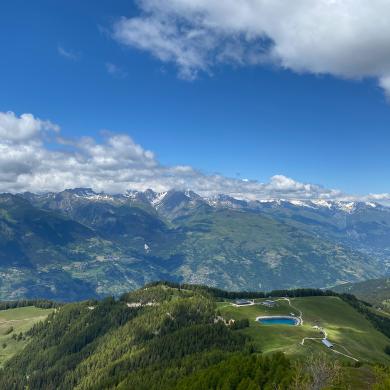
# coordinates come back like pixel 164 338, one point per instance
pixel 125 240
pixel 156 198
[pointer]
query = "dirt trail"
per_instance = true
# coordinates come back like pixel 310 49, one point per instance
pixel 300 316
pixel 325 337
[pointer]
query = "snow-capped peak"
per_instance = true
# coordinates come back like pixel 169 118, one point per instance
pixel 158 198
pixel 301 203
pixel 131 194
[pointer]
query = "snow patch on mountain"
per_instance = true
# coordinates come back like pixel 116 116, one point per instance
pixel 301 203
pixel 159 197
pixel 175 198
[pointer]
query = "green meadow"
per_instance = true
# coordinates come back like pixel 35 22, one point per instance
pixel 16 321
pixel 347 329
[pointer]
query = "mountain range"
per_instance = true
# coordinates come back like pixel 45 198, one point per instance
pixel 78 244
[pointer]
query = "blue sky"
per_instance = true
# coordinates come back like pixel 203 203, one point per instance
pixel 61 63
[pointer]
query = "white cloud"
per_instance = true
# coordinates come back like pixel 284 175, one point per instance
pixel 68 54
pixel 167 42
pixel 345 38
pixel 25 127
pixel 384 82
pixel 118 164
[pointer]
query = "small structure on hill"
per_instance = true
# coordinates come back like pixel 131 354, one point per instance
pixel 327 343
pixel 243 302
pixel 268 303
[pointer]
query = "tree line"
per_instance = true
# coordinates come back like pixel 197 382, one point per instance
pixel 40 303
pixel 224 294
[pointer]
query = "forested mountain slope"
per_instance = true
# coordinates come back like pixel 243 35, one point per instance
pixel 163 337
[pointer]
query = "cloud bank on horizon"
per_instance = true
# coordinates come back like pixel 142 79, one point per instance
pixel 343 38
pixel 34 157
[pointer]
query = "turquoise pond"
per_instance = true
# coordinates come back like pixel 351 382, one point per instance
pixel 278 321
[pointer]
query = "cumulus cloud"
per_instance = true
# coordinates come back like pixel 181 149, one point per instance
pixel 118 164
pixel 23 128
pixel 344 38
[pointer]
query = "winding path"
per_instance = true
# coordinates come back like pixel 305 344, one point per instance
pixel 325 334
pixel 325 337
pixel 293 307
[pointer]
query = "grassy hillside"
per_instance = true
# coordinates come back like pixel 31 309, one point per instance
pixel 16 321
pixel 348 330
pixel 152 339
pixel 162 337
